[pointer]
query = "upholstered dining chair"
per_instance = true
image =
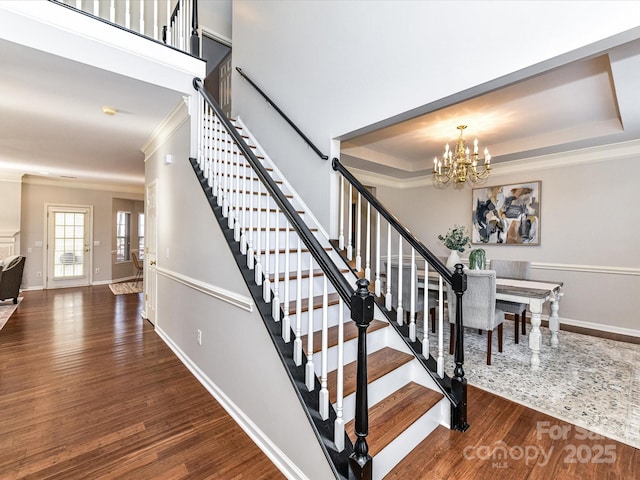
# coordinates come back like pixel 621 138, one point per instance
pixel 406 293
pixel 138 267
pixel 478 307
pixel 521 270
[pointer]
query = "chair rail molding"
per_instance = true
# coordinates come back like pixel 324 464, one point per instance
pixel 233 298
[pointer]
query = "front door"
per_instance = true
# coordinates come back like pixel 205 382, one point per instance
pixel 68 246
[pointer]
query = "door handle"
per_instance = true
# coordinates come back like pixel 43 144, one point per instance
pixel 152 262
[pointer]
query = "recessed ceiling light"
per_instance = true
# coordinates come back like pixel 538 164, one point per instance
pixel 43 173
pixel 109 110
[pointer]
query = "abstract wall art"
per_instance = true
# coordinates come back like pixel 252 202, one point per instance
pixel 506 214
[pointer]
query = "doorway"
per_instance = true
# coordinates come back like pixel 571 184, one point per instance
pixel 150 252
pixel 218 79
pixel 69 242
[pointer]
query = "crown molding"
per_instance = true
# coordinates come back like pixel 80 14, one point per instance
pixel 603 153
pixel 107 187
pixel 8 176
pixel 174 119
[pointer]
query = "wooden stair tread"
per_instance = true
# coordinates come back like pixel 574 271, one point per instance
pixel 332 299
pixel 350 332
pixel 303 274
pixel 395 413
pixel 379 363
pixel 264 194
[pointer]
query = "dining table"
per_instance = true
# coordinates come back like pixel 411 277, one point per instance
pixel 534 293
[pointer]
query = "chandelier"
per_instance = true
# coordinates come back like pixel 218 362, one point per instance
pixel 460 165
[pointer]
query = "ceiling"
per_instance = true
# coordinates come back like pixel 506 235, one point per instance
pixel 52 122
pixel 582 104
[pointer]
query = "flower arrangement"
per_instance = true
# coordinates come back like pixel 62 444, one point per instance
pixel 457 238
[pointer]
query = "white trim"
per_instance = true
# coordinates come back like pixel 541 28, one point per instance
pixel 216 36
pixel 598 327
pixel 174 120
pixel 601 269
pixel 603 153
pixel 240 301
pixel 102 282
pixel 277 456
pixel 10 176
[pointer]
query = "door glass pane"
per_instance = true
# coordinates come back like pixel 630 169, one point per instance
pixel 69 242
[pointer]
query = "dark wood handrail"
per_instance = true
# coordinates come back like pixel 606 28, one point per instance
pixel 341 284
pixel 395 223
pixel 283 115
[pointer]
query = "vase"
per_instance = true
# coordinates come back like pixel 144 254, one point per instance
pixel 453 259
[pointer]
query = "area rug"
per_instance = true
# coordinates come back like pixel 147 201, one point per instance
pixel 7 308
pixel 591 382
pixel 125 287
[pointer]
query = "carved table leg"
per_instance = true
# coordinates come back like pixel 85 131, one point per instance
pixel 554 321
pixel 535 336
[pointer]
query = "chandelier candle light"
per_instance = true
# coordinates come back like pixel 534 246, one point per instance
pixel 460 165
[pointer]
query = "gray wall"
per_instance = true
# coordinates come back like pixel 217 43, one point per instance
pixel 337 66
pixel 36 193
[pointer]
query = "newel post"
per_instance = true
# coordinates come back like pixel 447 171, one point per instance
pixel 458 382
pixel 362 303
pixel 195 39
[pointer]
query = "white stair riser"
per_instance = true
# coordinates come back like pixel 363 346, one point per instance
pixel 332 319
pixel 304 284
pixel 379 389
pixel 393 453
pixel 375 341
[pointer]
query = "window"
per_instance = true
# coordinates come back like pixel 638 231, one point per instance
pixel 123 237
pixel 141 236
pixel 69 244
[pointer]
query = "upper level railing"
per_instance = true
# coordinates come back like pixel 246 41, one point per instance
pixel 172 22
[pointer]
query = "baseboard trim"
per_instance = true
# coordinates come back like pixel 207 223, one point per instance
pixel 281 461
pixel 595 329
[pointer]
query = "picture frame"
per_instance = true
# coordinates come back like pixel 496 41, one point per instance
pixel 506 214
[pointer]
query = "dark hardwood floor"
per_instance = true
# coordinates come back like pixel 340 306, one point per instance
pixel 89 391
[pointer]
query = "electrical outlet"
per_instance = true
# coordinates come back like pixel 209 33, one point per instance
pixel 39 274
pixel 199 336
pixel 97 269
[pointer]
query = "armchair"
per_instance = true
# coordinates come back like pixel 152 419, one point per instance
pixel 521 270
pixel 11 277
pixel 478 307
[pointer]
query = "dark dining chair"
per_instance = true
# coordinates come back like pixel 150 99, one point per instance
pixel 138 266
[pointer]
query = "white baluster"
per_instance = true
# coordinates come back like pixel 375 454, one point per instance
pixel 127 14
pixel 297 343
pixel 367 254
pixel 341 203
pixel 425 313
pixel 266 291
pixel 96 8
pixel 309 379
pixel 225 178
pixel 338 426
pixel 156 30
pixel 413 291
pixel 168 33
pixel 388 297
pixel 359 233
pixel 440 362
pixel 324 392
pixel 275 306
pixel 349 225
pixel 112 11
pixel 248 211
pixel 399 310
pixel 79 4
pixel 258 251
pixel 242 217
pixel 240 195
pixel 142 32
pixel 286 322
pixel 377 284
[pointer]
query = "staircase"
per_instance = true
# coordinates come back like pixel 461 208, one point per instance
pixel 308 311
